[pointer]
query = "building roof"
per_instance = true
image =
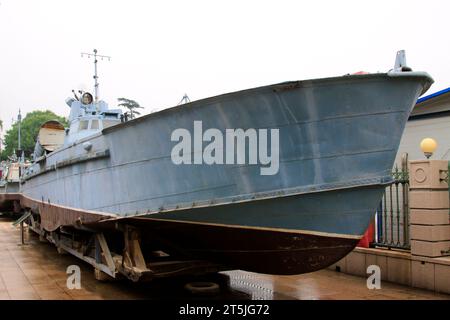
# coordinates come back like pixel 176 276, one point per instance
pixel 434 105
pixel 433 95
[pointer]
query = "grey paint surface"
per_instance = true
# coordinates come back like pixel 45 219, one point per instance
pixel 336 133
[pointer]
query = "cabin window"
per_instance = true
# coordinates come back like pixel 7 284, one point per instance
pixel 94 124
pixel 84 125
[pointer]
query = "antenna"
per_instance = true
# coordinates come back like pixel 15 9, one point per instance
pixel 95 55
pixel 185 99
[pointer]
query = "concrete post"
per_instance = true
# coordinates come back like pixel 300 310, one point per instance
pixel 429 204
pixel 430 224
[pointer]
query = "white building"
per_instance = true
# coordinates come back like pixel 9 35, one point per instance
pixel 430 118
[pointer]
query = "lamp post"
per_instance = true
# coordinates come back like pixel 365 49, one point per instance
pixel 20 151
pixel 428 146
pixel 19 120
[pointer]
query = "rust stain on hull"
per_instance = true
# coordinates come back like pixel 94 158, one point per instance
pixel 54 216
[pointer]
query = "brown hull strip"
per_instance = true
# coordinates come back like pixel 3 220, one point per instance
pixel 264 251
pixel 248 249
pixel 54 216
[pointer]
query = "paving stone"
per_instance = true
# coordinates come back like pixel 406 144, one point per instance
pixel 36 271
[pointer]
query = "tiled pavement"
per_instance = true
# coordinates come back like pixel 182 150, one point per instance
pixel 37 271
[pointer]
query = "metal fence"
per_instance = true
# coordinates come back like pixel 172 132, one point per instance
pixel 392 216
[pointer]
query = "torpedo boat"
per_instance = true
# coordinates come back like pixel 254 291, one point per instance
pixel 10 184
pixel 279 179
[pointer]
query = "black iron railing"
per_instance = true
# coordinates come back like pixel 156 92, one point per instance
pixel 392 216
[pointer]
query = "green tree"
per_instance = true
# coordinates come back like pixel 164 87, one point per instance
pixel 131 105
pixel 1 140
pixel 30 126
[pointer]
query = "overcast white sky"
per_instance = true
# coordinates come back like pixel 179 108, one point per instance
pixel 161 50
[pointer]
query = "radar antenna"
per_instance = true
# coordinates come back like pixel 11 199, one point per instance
pixel 95 55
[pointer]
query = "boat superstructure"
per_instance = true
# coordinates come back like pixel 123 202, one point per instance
pixel 9 178
pixel 88 117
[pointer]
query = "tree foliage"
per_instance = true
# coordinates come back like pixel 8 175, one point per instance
pixel 131 105
pixel 30 126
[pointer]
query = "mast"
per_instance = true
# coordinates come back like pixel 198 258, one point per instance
pixel 95 55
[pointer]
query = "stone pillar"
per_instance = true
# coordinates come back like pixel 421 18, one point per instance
pixel 429 205
pixel 430 224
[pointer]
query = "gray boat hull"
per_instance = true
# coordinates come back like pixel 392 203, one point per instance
pixel 338 140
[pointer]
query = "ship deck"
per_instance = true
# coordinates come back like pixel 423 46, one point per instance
pixel 36 271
